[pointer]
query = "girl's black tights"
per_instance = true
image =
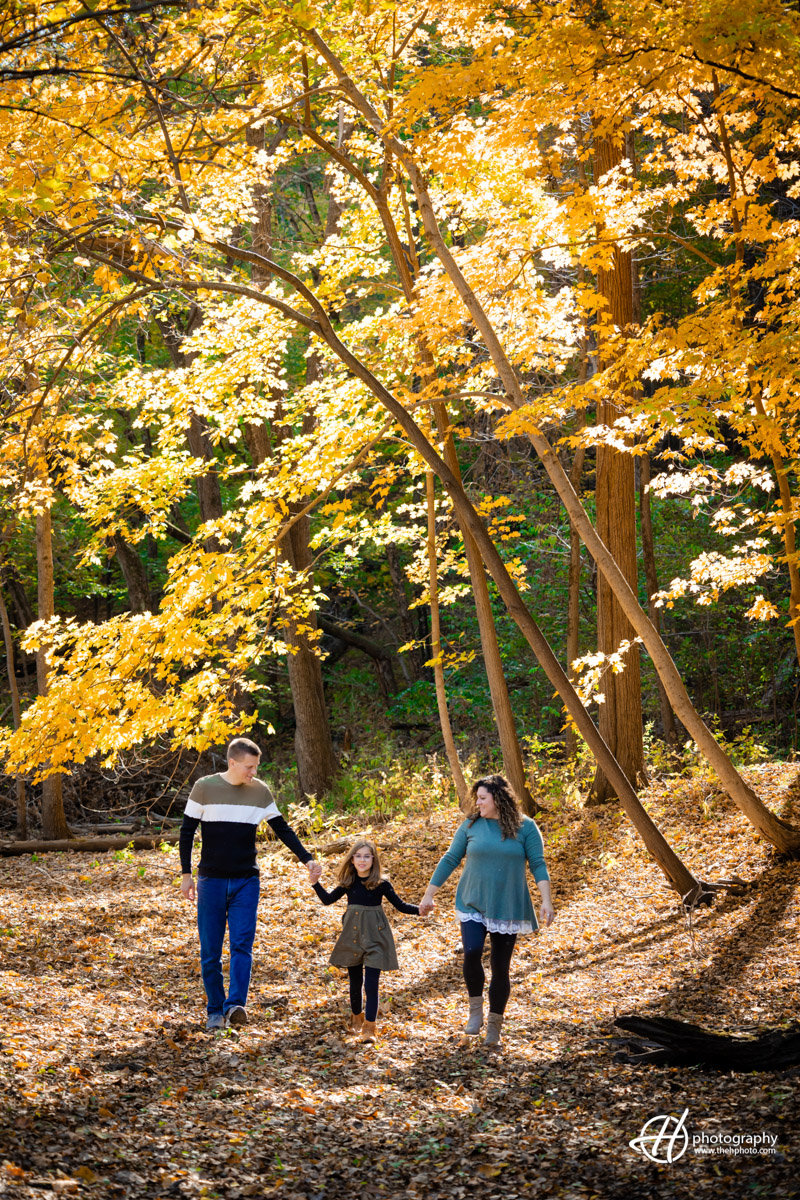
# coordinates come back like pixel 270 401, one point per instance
pixel 366 978
pixel 473 936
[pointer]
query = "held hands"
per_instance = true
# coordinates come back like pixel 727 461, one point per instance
pixel 314 871
pixel 188 890
pixel 426 905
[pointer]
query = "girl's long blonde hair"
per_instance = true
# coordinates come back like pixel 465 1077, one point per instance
pixel 346 874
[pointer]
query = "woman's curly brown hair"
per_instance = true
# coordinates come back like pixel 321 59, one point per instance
pixel 509 814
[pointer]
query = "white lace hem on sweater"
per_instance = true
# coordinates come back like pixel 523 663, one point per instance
pixel 496 926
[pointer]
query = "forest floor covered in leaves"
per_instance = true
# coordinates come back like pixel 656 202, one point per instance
pixel 110 1087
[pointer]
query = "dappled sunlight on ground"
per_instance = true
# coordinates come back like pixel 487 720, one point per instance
pixel 110 1087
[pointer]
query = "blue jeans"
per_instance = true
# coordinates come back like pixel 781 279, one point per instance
pixel 231 902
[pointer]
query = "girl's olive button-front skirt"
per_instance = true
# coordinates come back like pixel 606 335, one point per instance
pixel 366 938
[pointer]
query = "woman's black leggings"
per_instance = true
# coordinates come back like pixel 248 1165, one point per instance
pixel 368 979
pixel 473 936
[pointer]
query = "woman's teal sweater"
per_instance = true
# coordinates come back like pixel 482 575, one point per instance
pixel 493 883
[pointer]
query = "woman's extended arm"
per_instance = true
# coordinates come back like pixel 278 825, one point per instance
pixel 534 852
pixel 546 912
pixel 444 868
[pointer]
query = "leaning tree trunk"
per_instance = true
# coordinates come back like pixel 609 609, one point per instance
pixel 780 833
pixel 615 501
pixel 675 870
pixel 436 649
pixel 490 648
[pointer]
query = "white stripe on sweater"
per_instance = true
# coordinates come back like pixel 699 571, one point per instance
pixel 240 814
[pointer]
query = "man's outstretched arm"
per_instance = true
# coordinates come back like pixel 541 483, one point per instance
pixel 283 830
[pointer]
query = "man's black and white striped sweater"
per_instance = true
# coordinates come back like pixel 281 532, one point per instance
pixel 229 815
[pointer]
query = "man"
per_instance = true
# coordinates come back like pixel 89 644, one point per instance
pixel 229 807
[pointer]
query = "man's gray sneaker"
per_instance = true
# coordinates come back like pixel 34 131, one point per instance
pixel 236 1016
pixel 215 1021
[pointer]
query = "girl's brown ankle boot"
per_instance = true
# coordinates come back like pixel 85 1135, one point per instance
pixel 356 1022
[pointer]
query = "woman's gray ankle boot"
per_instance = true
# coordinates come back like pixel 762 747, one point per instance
pixel 493 1027
pixel 475 1021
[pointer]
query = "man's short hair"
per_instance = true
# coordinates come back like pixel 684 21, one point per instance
pixel 242 748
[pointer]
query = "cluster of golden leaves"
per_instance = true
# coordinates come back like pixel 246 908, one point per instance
pixel 139 151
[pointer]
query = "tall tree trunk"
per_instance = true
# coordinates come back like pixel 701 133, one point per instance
pixel 649 556
pixel 16 710
pixel 313 743
pixel 414 657
pixel 209 495
pixel 436 649
pixel 316 760
pixel 134 573
pixel 574 573
pixel 615 500
pixel 54 822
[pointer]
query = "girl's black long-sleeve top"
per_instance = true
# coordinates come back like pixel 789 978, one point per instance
pixel 359 893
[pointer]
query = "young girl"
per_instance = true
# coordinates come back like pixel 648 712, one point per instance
pixel 365 945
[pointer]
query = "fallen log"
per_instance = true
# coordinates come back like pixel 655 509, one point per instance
pixel 94 845
pixel 661 1041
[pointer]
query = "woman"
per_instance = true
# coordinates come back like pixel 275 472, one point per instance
pixel 492 895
